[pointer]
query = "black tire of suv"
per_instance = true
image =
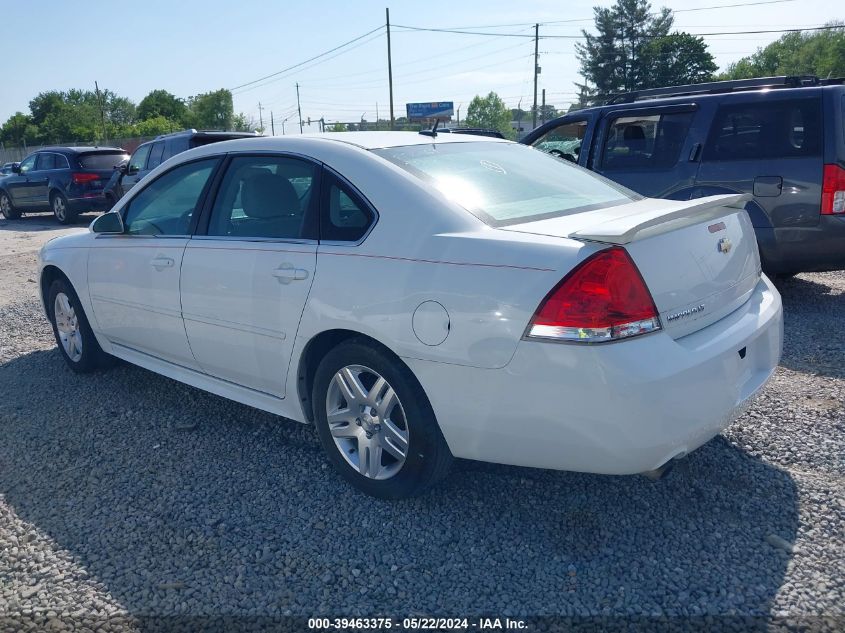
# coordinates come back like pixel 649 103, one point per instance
pixel 69 217
pixel 93 357
pixel 8 209
pixel 428 456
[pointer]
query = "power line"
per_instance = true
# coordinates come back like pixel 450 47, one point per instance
pixel 323 54
pixel 581 37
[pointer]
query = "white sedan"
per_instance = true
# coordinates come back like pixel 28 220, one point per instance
pixel 419 299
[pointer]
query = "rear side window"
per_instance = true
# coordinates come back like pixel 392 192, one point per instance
pixel 102 160
pixel 46 161
pixel 265 197
pixel 345 217
pixel 755 131
pixel 645 142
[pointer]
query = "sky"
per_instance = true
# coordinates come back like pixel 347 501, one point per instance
pixel 189 47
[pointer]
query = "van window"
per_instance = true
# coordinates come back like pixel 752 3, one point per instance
pixel 563 141
pixel 156 155
pixel 775 129
pixel 645 142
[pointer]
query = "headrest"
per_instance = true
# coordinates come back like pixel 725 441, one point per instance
pixel 269 195
pixel 634 133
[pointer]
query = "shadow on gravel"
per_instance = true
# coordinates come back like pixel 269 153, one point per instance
pixel 810 345
pixel 180 502
pixel 43 222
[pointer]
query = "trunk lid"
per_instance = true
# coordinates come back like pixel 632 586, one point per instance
pixel 698 257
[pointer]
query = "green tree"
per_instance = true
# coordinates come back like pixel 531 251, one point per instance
pixel 338 127
pixel 156 125
pixel 19 128
pixel 676 59
pixel 212 110
pixel 633 49
pixel 160 103
pixel 243 123
pixel 820 53
pixel 490 112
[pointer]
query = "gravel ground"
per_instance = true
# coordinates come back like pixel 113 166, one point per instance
pixel 126 495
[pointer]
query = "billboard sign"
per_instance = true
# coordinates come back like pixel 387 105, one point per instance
pixel 431 110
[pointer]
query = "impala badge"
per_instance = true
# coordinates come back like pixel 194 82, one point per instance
pixel 725 245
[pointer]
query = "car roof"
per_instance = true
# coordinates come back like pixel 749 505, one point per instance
pixel 383 140
pixel 81 150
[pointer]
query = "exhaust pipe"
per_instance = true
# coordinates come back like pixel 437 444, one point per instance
pixel 660 472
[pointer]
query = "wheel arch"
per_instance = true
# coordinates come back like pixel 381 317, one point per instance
pixel 49 274
pixel 317 348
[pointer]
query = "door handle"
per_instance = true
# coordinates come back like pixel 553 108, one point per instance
pixel 160 263
pixel 286 273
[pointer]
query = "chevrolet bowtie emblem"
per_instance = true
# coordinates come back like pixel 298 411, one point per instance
pixel 725 245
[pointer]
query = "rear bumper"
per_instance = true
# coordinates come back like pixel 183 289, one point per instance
pixel 93 202
pixel 805 248
pixel 617 408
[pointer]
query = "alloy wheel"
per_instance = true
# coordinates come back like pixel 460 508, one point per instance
pixel 5 206
pixel 59 208
pixel 67 324
pixel 367 422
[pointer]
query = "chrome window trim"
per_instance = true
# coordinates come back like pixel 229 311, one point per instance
pixel 238 238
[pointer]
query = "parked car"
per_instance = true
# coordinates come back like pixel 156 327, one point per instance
pixel 781 140
pixel 113 189
pixel 151 154
pixel 7 168
pixel 64 180
pixel 419 299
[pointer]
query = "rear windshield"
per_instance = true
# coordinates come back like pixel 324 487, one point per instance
pixel 507 183
pixel 102 160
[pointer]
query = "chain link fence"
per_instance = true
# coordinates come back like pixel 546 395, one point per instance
pixel 15 153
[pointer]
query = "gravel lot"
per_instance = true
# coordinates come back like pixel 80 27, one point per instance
pixel 126 495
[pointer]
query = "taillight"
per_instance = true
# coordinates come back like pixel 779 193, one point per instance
pixel 81 178
pixel 833 190
pixel 603 299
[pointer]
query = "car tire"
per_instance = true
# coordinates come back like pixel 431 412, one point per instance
pixel 7 209
pixel 74 337
pixel 60 208
pixel 366 403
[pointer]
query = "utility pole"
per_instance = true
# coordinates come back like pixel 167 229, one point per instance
pixel 543 109
pixel 298 108
pixel 273 123
pixel 102 111
pixel 536 68
pixel 459 116
pixel 261 117
pixel 389 69
pixel 322 124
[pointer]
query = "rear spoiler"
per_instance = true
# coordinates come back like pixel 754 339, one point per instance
pixel 669 215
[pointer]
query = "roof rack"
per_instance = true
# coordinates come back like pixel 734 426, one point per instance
pixel 717 87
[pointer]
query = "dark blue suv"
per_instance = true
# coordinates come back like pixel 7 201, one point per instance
pixel 779 139
pixel 64 180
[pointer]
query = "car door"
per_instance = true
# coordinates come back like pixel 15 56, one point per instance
pixel 45 167
pixel 133 278
pixel 19 186
pixel 650 150
pixel 569 138
pixel 246 280
pixel 136 168
pixel 771 148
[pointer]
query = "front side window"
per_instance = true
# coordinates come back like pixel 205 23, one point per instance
pixel 266 197
pixel 166 205
pixel 46 161
pixel 757 131
pixel 28 163
pixel 507 183
pixel 563 141
pixel 139 159
pixel 645 142
pixel 345 217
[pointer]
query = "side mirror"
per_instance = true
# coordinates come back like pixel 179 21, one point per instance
pixel 123 168
pixel 16 168
pixel 109 223
pixel 131 170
